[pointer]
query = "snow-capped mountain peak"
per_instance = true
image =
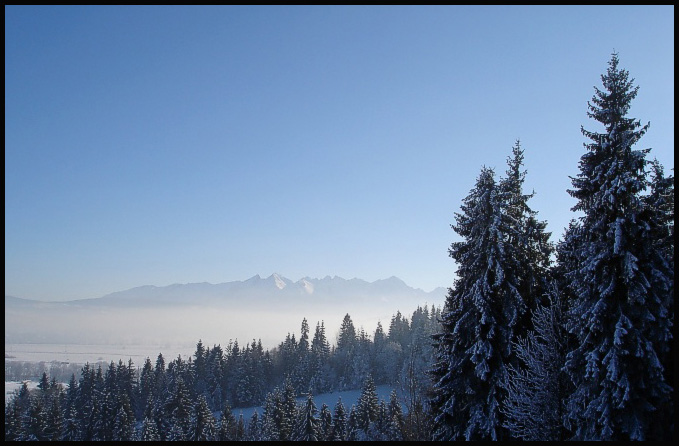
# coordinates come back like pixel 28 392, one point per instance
pixel 278 280
pixel 307 286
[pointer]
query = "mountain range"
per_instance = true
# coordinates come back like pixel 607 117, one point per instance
pixel 275 289
pixel 265 308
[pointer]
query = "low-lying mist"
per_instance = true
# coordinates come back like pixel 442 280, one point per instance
pixel 180 315
pixel 181 325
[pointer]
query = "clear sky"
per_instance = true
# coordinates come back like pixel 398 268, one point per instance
pixel 161 145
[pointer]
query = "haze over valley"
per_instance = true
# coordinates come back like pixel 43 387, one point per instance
pixel 179 315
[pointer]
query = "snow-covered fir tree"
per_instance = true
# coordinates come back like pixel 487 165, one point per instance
pixel 339 422
pixel 148 432
pixel 324 423
pixel 477 328
pixel 240 428
pixel 661 201
pixel 527 244
pixel 621 284
pixel 308 426
pixel 254 428
pixel 180 408
pixel 395 419
pixel 202 427
pixel 54 421
pixel 368 404
pixel 227 425
pixel 124 422
pixel 270 430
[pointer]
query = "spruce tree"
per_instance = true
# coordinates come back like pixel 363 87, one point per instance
pixel 396 419
pixel 202 426
pixel 227 425
pixel 660 201
pixel 481 312
pixel 71 428
pixel 321 380
pixel 325 423
pixel 352 429
pixel 14 423
pixel 240 427
pixel 180 408
pixel 146 385
pixel 347 342
pixel 339 422
pixel 368 404
pixel 622 282
pixel 270 430
pixel 149 432
pixel 123 427
pixel 308 428
pixel 526 237
pixel 288 410
pixel 254 428
pixel 54 421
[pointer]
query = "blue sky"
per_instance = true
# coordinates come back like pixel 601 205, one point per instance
pixel 160 145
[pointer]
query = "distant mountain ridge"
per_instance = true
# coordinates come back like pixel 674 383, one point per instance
pixel 274 289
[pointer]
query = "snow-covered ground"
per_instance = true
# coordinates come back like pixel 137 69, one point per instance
pixel 11 386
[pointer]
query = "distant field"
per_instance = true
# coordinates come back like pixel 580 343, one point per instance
pixel 92 353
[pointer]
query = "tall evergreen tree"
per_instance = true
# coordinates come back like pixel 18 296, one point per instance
pixel 44 383
pixel 71 428
pixel 368 404
pixel 227 425
pixel 321 379
pixel 36 422
pixel 270 430
pixel 254 428
pixel 54 422
pixel 124 422
pixel 661 202
pixel 202 427
pixel 325 423
pixel 180 408
pixel 344 353
pixel 308 428
pixel 240 427
pixel 526 237
pixel 149 432
pixel 14 421
pixel 146 385
pixel 288 410
pixel 622 283
pixel 480 315
pixel 339 422
pixel 352 430
pixel 396 419
pixel 200 369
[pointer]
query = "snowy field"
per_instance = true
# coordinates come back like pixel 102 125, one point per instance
pixel 11 386
pixel 92 353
